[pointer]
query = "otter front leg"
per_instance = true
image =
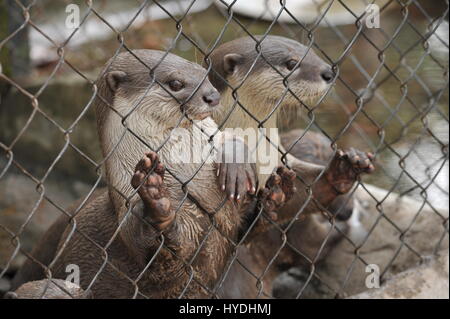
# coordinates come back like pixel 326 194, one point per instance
pixel 148 179
pixel 279 189
pixel 343 171
pixel 236 170
pixel 338 178
pixel 237 180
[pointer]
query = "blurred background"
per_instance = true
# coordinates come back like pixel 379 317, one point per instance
pixel 391 96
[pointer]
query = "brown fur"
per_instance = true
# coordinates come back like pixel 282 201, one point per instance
pixel 126 241
pixel 46 248
pixel 305 238
pixel 119 251
pixel 258 95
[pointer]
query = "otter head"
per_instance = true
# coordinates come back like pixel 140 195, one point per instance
pixel 151 91
pixel 284 62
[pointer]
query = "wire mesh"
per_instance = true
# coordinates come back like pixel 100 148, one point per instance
pixel 389 97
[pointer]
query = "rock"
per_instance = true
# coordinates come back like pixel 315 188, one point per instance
pixel 428 281
pixel 48 289
pixel 305 11
pixel 394 238
pixel 290 283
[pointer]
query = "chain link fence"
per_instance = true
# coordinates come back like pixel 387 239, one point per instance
pixel 389 97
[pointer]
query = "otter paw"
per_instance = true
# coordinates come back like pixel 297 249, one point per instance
pixel 278 190
pixel 237 179
pixel 346 167
pixel 287 181
pixel 148 180
pixel 236 170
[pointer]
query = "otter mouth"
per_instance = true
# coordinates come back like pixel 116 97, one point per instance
pixel 312 94
pixel 202 116
pixel 306 97
pixel 315 95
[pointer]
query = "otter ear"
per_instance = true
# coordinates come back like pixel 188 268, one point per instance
pixel 114 78
pixel 231 61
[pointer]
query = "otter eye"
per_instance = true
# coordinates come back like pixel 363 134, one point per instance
pixel 290 65
pixel 176 85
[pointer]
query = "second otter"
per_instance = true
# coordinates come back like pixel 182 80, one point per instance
pixel 256 80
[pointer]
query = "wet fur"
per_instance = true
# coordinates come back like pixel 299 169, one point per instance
pixel 259 94
pixel 113 244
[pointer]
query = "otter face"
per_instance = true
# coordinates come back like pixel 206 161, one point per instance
pixel 174 90
pixel 284 62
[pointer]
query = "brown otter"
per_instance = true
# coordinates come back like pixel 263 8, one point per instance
pixel 242 75
pixel 48 289
pixel 315 148
pixel 146 235
pixel 254 89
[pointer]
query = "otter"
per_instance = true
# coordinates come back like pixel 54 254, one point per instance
pixel 253 89
pixel 315 148
pixel 48 289
pixel 163 228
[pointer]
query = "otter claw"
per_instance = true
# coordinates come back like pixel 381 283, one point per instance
pixel 237 179
pixel 273 216
pixel 346 167
pixel 279 189
pixel 148 180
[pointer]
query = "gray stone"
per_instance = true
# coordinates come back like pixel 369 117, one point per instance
pixel 49 289
pixel 429 281
pixel 375 238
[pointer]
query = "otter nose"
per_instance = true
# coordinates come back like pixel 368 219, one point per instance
pixel 212 99
pixel 327 75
